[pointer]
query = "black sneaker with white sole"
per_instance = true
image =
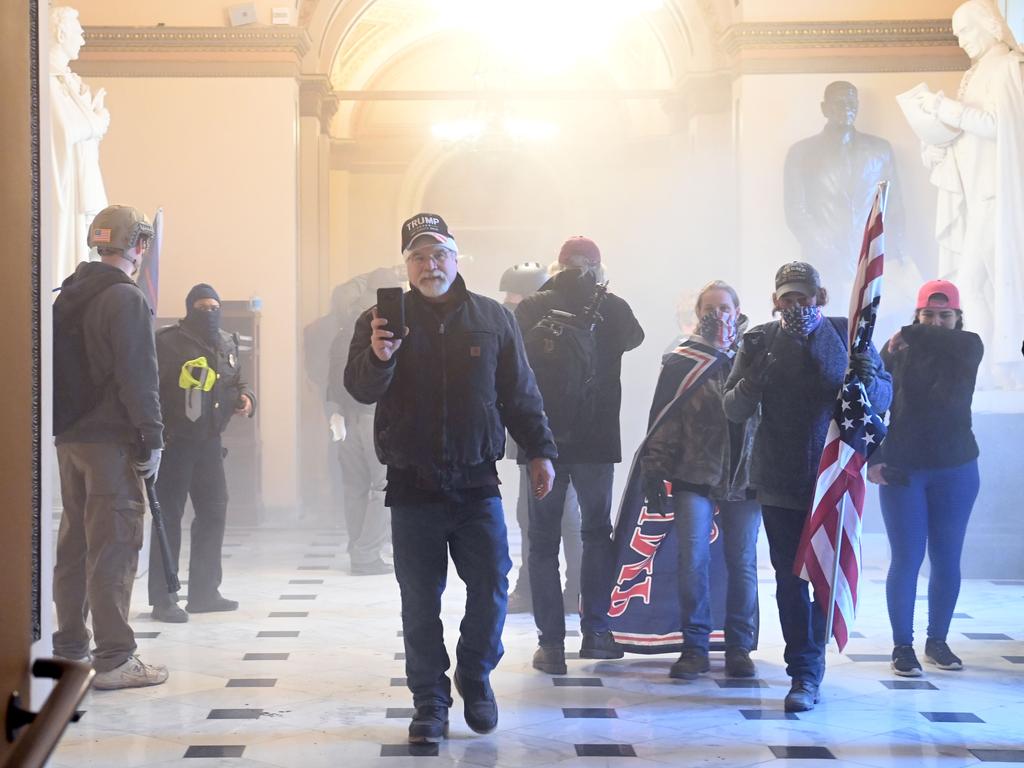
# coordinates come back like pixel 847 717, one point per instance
pixel 904 661
pixel 937 652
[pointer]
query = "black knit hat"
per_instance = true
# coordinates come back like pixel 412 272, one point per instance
pixel 201 291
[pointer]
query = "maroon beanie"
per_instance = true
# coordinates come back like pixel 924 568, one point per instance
pixel 579 251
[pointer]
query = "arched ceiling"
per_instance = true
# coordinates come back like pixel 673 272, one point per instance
pixel 407 45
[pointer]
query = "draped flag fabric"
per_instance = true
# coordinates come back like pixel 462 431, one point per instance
pixel 149 272
pixel 854 434
pixel 644 615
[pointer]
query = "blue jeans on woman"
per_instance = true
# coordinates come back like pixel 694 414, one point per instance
pixel 738 523
pixel 931 511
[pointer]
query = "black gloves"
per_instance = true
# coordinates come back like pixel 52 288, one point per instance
pixel 654 491
pixel 863 365
pixel 758 376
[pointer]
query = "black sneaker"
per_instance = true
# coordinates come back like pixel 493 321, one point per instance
pixel 519 602
pixel 691 663
pixel 170 613
pixel 802 696
pixel 937 652
pixel 215 604
pixel 904 661
pixel 429 725
pixel 600 645
pixel 550 659
pixel 479 705
pixel 738 663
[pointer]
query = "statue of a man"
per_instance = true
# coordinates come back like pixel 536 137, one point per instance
pixel 79 121
pixel 980 176
pixel 830 183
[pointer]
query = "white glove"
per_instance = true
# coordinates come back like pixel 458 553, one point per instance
pixel 148 467
pixel 337 426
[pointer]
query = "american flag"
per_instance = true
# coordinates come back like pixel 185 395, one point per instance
pixel 854 434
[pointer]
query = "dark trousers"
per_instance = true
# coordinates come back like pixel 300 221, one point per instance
pixel 191 468
pixel 931 512
pixel 803 623
pixel 593 484
pixel 363 480
pixel 572 544
pixel 423 535
pixel 97 551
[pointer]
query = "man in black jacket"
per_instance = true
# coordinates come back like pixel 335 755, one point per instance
pixel 105 450
pixel 201 388
pixel 446 388
pixel 586 458
pixel 792 370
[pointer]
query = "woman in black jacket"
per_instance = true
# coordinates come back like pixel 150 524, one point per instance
pixel 927 469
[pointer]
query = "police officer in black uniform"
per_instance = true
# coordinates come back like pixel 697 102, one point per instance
pixel 201 388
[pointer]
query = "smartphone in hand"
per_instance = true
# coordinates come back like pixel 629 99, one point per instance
pixel 391 306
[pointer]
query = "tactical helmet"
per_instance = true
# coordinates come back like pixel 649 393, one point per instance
pixel 119 227
pixel 524 279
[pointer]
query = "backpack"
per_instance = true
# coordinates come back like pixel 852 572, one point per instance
pixel 74 391
pixel 562 350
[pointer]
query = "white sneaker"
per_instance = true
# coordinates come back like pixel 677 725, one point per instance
pixel 132 674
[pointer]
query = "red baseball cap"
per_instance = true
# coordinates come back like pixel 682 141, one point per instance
pixel 579 249
pixel 941 287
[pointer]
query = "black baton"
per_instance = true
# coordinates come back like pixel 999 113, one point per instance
pixel 170 566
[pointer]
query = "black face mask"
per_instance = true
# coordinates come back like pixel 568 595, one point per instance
pixel 204 323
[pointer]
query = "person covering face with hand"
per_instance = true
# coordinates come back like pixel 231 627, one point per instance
pixel 792 370
pixel 446 388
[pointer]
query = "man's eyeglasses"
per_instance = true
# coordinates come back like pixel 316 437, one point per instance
pixel 439 256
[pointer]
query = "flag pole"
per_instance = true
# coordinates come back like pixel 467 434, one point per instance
pixel 883 199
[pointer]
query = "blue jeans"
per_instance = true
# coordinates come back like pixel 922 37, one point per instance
pixel 803 623
pixel 422 535
pixel 593 484
pixel 931 511
pixel 738 522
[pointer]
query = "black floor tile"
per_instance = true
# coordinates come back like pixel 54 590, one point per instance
pixel 857 635
pixel 398 633
pixel 739 683
pixel 397 682
pixel 1008 582
pixel 252 682
pixel 265 657
pixel 234 714
pixel 767 714
pixel 869 657
pixel 215 750
pixel 962 616
pixel 288 614
pixel 998 755
pixel 147 635
pixel 323 544
pixel 1015 659
pixel 225 557
pixel 297 597
pixel 921 598
pixel 605 750
pixel 588 712
pixel 952 717
pixel 400 712
pixel 572 654
pixel 319 555
pixel 802 753
pixel 572 633
pixel 399 657
pixel 408 750
pixel 314 568
pixel 986 636
pixel 306 581
pixel 908 685
pixel 577 682
pixel 232 544
pixel 278 633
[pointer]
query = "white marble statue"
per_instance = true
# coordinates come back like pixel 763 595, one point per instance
pixel 980 178
pixel 79 122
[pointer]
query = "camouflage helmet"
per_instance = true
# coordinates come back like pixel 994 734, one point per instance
pixel 524 279
pixel 119 227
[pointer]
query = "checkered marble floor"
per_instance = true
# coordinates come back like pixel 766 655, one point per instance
pixel 309 674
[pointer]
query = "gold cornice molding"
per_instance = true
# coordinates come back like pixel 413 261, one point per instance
pixel 251 51
pixel 915 45
pixel 317 99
